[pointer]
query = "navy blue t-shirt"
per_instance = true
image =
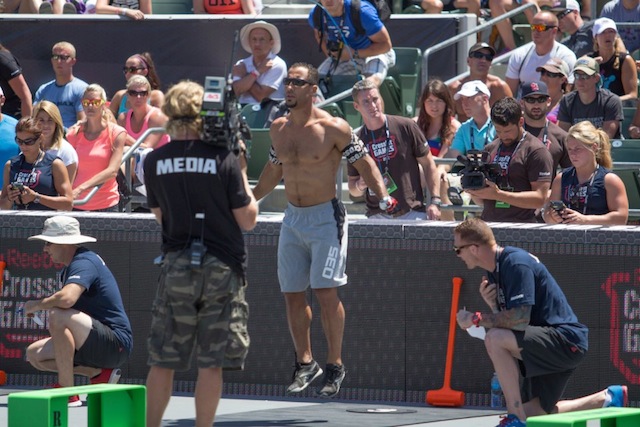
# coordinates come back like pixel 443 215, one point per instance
pixel 101 300
pixel 523 280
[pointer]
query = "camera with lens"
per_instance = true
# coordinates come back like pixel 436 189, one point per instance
pixel 477 170
pixel 222 125
pixel 334 45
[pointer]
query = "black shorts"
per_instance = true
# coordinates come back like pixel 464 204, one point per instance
pixel 548 361
pixel 102 349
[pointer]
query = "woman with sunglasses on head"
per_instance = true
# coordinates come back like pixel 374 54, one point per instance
pixel 99 142
pixel 138 64
pixel 588 192
pixel 142 116
pixel 436 119
pixel 132 9
pixel 618 71
pixel 49 120
pixel 555 74
pixel 35 179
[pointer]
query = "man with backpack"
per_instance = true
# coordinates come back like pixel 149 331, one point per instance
pixel 352 35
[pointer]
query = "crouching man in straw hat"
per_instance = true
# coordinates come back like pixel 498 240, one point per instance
pixel 90 331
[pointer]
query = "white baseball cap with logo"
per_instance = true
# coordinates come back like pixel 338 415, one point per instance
pixel 472 88
pixel 602 24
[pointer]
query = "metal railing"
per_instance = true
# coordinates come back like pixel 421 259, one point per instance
pixel 469 32
pixel 127 168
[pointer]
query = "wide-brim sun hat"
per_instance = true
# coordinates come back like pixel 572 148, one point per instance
pixel 62 230
pixel 270 28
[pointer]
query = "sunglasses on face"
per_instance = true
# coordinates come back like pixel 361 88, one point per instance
pixel 480 55
pixel 138 94
pixel 296 82
pixel 581 76
pixel 457 249
pixel 550 74
pixel 563 14
pixel 132 69
pixel 92 102
pixel 28 141
pixel 57 57
pixel 541 28
pixel 533 100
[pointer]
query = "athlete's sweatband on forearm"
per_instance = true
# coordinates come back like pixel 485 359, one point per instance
pixel 272 156
pixel 355 150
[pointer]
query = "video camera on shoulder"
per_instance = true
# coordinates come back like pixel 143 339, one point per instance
pixel 477 170
pixel 222 125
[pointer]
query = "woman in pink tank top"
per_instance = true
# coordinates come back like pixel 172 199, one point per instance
pixel 142 116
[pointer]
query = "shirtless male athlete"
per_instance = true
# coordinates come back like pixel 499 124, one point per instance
pixel 307 147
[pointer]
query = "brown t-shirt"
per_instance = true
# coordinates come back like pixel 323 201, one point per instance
pixel 406 143
pixel 556 143
pixel 522 163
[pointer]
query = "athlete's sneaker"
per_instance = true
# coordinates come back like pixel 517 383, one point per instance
pixel 332 380
pixel 619 396
pixel 74 401
pixel 303 376
pixel 107 376
pixel 511 420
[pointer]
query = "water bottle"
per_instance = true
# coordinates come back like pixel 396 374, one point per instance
pixel 496 392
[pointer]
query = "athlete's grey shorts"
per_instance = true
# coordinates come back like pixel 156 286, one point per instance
pixel 312 249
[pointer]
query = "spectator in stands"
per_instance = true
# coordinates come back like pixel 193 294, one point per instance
pixel 142 116
pixel 555 74
pixel 99 143
pixel 617 68
pixel 348 51
pixel 534 339
pixel 437 6
pixel 258 77
pixel 8 146
pixel 591 193
pixel 16 91
pixel 138 64
pixel 245 7
pixel 479 61
pixel 589 102
pixel 580 39
pixel 478 131
pixel 634 127
pixel 132 9
pixel 535 103
pixel 397 145
pixel 625 11
pixel 525 165
pixel 49 121
pixel 36 179
pixel 90 331
pixel 436 119
pixel 525 59
pixel 17 6
pixel 500 7
pixel 65 90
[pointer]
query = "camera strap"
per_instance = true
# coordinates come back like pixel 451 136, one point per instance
pixel 511 156
pixel 472 136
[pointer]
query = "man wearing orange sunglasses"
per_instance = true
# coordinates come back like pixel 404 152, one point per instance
pixel 526 58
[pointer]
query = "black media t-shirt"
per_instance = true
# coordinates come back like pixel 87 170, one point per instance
pixel 184 178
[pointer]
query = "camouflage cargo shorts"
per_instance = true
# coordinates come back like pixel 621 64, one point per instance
pixel 199 308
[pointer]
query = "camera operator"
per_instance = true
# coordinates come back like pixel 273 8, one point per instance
pixel 351 50
pixel 526 168
pixel 200 194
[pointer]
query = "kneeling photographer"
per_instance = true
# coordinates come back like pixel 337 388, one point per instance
pixel 520 186
pixel 197 188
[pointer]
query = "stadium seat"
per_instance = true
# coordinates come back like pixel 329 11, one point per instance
pixel 391 94
pixel 334 109
pixel 631 179
pixel 259 152
pixel 522 33
pixel 172 7
pixel 625 150
pixel 338 84
pixel 351 114
pixel 628 113
pixel 407 73
pixel 254 115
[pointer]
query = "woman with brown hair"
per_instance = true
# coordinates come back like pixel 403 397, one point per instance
pixel 35 179
pixel 138 64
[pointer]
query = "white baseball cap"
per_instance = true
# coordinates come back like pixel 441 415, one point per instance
pixel 472 88
pixel 602 24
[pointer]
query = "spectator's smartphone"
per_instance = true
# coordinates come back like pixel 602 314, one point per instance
pixel 17 186
pixel 558 206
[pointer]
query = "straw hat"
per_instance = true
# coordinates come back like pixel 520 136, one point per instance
pixel 271 29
